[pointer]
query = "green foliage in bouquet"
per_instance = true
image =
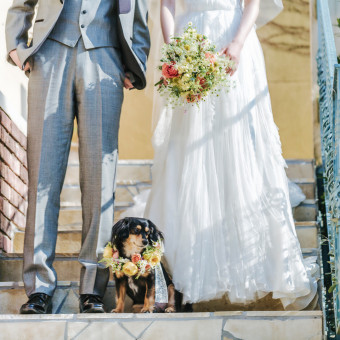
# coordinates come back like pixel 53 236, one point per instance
pixel 192 69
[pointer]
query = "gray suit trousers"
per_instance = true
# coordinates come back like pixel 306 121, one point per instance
pixel 67 83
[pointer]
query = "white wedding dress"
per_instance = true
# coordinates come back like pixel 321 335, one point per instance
pixel 219 190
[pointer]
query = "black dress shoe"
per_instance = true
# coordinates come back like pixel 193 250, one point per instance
pixel 38 303
pixel 89 303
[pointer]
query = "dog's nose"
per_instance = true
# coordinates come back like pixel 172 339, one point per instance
pixel 145 242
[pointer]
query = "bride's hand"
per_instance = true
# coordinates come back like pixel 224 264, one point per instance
pixel 233 51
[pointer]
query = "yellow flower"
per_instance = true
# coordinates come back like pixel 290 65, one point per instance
pixel 188 59
pixel 130 269
pixel 181 69
pixel 108 252
pixel 155 258
pixel 187 47
pixel 183 85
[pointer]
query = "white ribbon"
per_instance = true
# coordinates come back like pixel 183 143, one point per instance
pixel 161 288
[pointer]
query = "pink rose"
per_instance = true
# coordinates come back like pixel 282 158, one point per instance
pixel 115 255
pixel 202 82
pixel 169 71
pixel 193 98
pixel 135 258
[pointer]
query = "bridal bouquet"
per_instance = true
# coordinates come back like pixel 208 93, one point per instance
pixel 192 68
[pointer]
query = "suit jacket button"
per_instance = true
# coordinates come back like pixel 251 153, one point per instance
pixel 82 26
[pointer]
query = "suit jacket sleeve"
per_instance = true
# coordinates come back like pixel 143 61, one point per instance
pixel 18 22
pixel 141 36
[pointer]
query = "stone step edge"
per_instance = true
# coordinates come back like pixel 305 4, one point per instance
pixel 74 256
pixel 60 285
pixel 124 183
pixel 183 316
pixel 300 160
pixel 150 161
pixel 77 227
pixel 120 205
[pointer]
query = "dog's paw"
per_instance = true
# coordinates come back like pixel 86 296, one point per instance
pixel 117 310
pixel 147 309
pixel 170 309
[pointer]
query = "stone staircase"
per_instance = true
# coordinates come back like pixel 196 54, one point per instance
pixel 214 320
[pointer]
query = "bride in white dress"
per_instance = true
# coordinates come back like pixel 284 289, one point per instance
pixel 220 191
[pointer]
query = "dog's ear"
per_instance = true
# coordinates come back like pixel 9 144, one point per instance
pixel 155 234
pixel 120 230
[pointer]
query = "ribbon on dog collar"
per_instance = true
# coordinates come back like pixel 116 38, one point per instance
pixel 161 295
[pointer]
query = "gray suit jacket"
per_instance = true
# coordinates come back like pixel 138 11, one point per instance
pixel 132 31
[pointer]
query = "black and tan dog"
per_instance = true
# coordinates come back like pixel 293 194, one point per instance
pixel 131 236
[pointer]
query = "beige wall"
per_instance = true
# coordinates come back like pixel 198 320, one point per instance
pixel 135 126
pixel 286 45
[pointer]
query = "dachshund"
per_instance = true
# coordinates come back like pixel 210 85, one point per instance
pixel 130 236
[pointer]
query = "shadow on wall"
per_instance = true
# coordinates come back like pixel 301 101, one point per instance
pixel 280 36
pixel 23 98
pixel 2 99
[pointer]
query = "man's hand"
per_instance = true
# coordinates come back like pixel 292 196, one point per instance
pixel 14 55
pixel 127 83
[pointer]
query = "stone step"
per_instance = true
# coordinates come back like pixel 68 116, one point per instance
pixel 308 187
pixel 128 172
pixel 71 194
pixel 179 326
pixel 132 174
pixel 69 240
pixel 73 158
pixel 306 211
pixel 135 175
pixel 66 265
pixel 65 300
pixel 12 296
pixel 132 171
pixel 300 168
pixel 71 215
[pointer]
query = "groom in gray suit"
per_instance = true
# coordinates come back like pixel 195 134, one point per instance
pixel 82 54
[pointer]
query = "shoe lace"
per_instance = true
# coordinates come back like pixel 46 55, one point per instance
pixel 94 298
pixel 38 298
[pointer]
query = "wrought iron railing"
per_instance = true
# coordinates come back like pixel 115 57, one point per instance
pixel 329 103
